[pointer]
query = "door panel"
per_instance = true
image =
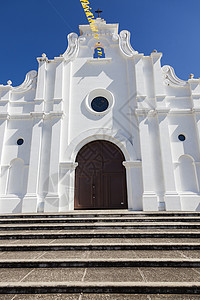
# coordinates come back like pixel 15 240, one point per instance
pixel 100 177
pixel 84 192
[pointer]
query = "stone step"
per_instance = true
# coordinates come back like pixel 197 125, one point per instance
pixel 106 254
pixel 100 214
pixel 101 263
pixel 87 226
pixel 105 296
pixel 100 274
pixel 97 247
pixel 93 235
pixel 101 287
pixel 100 252
pixel 99 220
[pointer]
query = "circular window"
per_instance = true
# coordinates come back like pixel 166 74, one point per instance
pixel 99 104
pixel 20 141
pixel 181 137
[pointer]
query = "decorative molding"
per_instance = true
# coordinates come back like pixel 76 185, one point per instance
pixel 58 58
pixel 31 115
pixel 19 117
pixel 146 111
pixel 124 44
pixel 141 111
pixel 69 165
pixel 163 110
pixel 43 58
pixel 28 84
pixel 180 111
pixel 52 114
pixel 6 87
pixel 73 46
pixel 192 194
pixel 132 164
pixel 152 112
pixel 38 115
pixel 100 60
pixel 170 77
pixel 38 100
pixel 3 116
pixel 57 100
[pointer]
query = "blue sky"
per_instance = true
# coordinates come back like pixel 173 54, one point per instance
pixel 29 28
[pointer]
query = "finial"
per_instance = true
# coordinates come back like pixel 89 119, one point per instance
pixel 154 51
pixel 9 82
pixel 191 76
pixel 98 12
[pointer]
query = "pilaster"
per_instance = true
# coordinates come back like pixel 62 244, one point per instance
pixel 172 199
pixel 41 82
pixel 67 185
pixel 150 201
pixel 134 184
pixel 30 199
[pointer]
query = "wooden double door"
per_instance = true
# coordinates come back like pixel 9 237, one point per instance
pixel 100 181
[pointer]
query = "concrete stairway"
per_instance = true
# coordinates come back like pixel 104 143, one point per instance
pixel 100 255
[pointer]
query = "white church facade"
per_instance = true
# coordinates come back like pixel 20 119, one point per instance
pixel 116 132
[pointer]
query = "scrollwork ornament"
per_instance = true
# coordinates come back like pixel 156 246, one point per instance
pixel 28 84
pixel 73 46
pixel 170 78
pixel 124 44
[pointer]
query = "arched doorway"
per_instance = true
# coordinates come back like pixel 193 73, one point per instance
pixel 100 181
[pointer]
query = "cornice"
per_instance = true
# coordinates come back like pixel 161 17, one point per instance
pixel 31 115
pixel 174 111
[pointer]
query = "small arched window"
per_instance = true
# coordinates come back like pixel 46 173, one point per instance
pixel 99 51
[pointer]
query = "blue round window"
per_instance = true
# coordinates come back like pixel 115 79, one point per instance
pixel 20 142
pixel 181 137
pixel 99 104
